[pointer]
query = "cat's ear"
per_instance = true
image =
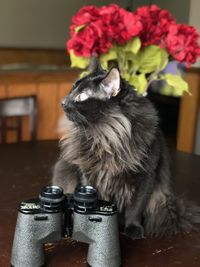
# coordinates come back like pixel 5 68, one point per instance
pixel 111 84
pixel 94 65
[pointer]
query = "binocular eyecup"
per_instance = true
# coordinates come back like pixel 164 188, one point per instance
pixel 85 198
pixel 51 198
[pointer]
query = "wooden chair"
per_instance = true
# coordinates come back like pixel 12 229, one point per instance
pixel 18 107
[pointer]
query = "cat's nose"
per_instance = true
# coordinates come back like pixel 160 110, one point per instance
pixel 66 104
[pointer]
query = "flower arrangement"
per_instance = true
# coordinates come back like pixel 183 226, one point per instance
pixel 141 42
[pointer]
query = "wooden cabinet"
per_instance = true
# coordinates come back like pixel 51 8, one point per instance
pixel 188 113
pixel 49 87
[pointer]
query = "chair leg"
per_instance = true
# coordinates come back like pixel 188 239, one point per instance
pixel 33 127
pixel 19 129
pixel 3 130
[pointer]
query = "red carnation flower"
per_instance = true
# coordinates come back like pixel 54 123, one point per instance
pixel 121 24
pixel 155 24
pixel 102 27
pixel 182 43
pixel 95 29
pixel 85 15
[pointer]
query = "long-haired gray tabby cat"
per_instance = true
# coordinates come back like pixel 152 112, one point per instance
pixel 113 143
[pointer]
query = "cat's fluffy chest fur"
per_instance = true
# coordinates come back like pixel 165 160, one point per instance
pixel 102 153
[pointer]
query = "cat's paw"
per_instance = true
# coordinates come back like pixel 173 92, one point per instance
pixel 134 232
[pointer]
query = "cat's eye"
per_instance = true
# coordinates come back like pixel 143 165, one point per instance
pixel 81 97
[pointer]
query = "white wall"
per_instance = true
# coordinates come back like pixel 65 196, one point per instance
pixel 194 13
pixel 45 23
pixel 39 23
pixel 178 8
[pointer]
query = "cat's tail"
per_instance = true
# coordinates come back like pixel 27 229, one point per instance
pixel 168 215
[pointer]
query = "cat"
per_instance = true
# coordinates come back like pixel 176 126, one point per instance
pixel 113 142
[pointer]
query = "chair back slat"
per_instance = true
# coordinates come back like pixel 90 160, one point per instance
pixel 18 107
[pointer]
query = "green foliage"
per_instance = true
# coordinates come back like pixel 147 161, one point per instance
pixel 79 62
pixel 150 59
pixel 79 28
pixel 110 56
pixel 176 86
pixel 132 46
pixel 139 82
pixel 139 66
pixel 83 74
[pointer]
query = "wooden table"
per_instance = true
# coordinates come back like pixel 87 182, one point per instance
pixel 26 167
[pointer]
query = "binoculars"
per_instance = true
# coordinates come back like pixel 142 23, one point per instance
pixel 53 215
